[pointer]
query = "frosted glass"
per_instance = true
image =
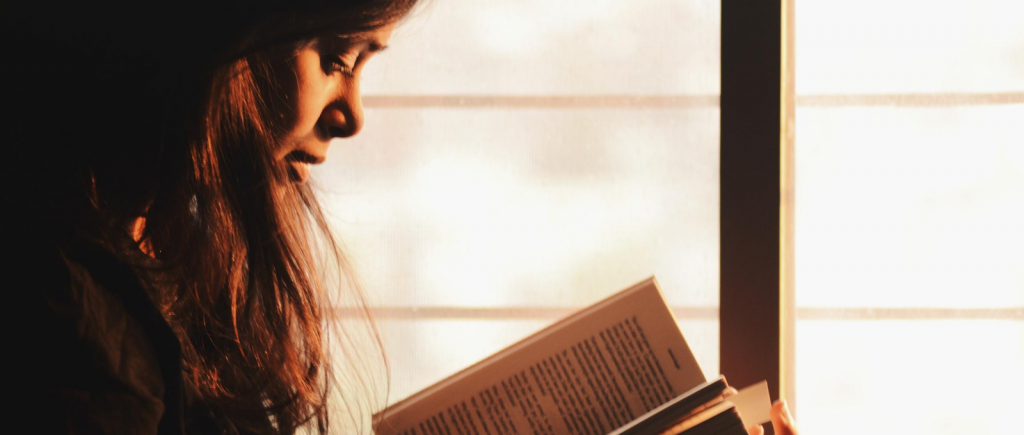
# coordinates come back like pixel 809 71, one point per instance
pixel 587 161
pixel 909 46
pixel 493 208
pixel 910 207
pixel 516 47
pixel 908 237
pixel 917 212
pixel 909 377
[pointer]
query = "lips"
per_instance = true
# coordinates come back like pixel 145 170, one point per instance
pixel 298 164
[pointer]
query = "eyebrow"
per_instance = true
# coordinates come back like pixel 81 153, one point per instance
pixel 372 45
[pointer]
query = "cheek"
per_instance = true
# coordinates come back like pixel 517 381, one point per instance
pixel 303 93
pixel 308 105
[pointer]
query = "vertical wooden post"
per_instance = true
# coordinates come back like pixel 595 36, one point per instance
pixel 752 236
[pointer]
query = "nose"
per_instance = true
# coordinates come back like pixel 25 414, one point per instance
pixel 344 115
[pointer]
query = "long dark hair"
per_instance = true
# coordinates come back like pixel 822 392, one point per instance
pixel 163 115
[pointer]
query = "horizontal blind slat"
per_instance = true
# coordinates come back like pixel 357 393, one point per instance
pixel 689 313
pixel 679 101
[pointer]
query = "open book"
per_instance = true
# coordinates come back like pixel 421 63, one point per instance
pixel 620 366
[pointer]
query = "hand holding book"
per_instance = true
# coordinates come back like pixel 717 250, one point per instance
pixel 782 421
pixel 781 418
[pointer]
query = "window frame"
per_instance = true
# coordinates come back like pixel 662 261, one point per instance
pixel 755 294
pixel 756 97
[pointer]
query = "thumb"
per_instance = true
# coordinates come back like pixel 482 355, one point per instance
pixel 782 419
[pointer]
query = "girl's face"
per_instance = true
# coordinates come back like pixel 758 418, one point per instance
pixel 317 97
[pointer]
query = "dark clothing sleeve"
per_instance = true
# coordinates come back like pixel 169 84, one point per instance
pixel 105 376
pixel 99 357
pixel 104 360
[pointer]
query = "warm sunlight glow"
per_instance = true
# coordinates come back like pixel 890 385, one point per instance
pixel 909 241
pixel 460 219
pixel 518 211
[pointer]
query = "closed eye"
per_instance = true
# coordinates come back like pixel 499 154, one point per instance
pixel 344 54
pixel 337 64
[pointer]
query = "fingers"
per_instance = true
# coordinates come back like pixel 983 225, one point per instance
pixel 782 419
pixel 729 392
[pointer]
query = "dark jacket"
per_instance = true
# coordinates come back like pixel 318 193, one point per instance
pixel 106 360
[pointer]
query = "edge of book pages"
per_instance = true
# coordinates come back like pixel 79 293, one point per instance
pixel 702 410
pixel 662 329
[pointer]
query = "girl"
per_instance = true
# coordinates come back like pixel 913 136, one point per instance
pixel 158 163
pixel 174 259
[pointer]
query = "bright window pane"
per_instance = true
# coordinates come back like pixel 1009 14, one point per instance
pixel 909 376
pixel 419 365
pixel 541 47
pixel 908 242
pixel 587 162
pixel 910 208
pixel 909 46
pixel 493 208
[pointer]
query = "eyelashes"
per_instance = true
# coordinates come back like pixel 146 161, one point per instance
pixel 336 64
pixel 345 56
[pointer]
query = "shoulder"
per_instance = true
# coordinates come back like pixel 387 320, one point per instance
pixel 99 364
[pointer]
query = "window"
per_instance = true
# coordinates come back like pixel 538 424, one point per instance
pixel 524 159
pixel 909 246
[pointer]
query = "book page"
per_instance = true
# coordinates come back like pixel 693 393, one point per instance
pixel 753 403
pixel 587 374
